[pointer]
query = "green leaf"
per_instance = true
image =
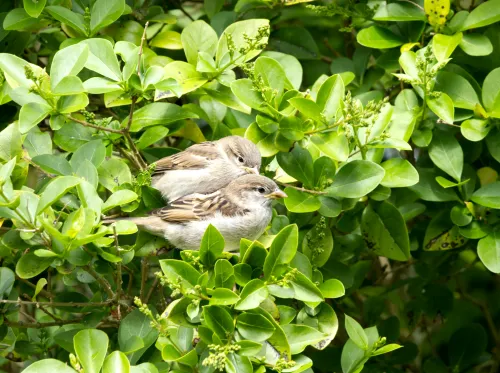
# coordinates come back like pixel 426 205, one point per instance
pixel 212 7
pixel 356 179
pixel 387 348
pixel 184 74
pixel 119 198
pixel 446 153
pixel 444 45
pixel 273 76
pixel 399 173
pixel 493 144
pixel 384 231
pixel 72 103
pixel 254 327
pixel 476 45
pixel 305 290
pixel 307 107
pixel 158 113
pixel 34 7
pixel 99 85
pixel 282 250
pixel 38 143
pixel 301 336
pixel 243 89
pixel 298 164
pixel 301 202
pixel 167 40
pixel 102 58
pixel 442 106
pixel 332 288
pixel 93 151
pixel 72 19
pixel 252 295
pixel 399 12
pixel 485 14
pixel 330 96
pixel 116 362
pixel 475 129
pixel 114 172
pixel 212 246
pixel 67 62
pixel 296 41
pixel 91 346
pixel 378 37
pixel 219 320
pixel 136 324
pixel 47 366
pixel 488 195
pixel 491 91
pixel 459 89
pixel 334 144
pixel 197 37
pixel 31 114
pixel 224 274
pixel 291 66
pixel 318 244
pixel 18 19
pixel 488 249
pixel 105 12
pixel 428 189
pixel 31 265
pixel 356 332
pixel 239 32
pixel 7 279
pixel 224 297
pixel 57 188
pixel 175 269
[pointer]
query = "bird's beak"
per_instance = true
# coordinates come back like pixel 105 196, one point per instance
pixel 277 194
pixel 250 170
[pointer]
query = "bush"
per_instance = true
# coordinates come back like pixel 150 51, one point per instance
pixel 379 119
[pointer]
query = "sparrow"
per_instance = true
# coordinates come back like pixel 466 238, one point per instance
pixel 206 167
pixel 240 210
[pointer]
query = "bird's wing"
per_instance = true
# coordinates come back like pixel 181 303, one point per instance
pixel 195 157
pixel 199 207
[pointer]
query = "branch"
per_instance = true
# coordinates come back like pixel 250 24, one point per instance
pixel 316 192
pixel 184 11
pixel 150 292
pixel 87 124
pixel 39 325
pixel 144 276
pixel 101 280
pixel 141 165
pixel 56 304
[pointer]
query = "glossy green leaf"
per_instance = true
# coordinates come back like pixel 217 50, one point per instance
pixel 446 153
pixel 219 320
pixel 212 246
pixel 252 295
pixel 356 179
pixel 91 346
pixel 399 173
pixel 485 14
pixel 55 190
pixel 254 327
pixel 378 37
pixel 488 249
pixel 488 195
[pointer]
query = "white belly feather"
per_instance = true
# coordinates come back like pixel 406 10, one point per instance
pixel 233 229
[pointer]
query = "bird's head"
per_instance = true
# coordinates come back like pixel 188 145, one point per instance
pixel 242 153
pixel 255 190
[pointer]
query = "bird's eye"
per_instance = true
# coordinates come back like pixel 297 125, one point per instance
pixel 261 190
pixel 241 160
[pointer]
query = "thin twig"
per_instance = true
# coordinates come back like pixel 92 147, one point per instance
pixel 447 123
pixel 39 325
pixel 316 192
pixel 101 280
pixel 126 132
pixel 144 276
pixel 87 124
pixel 118 275
pixel 150 292
pixel 412 3
pixel 56 304
pixel 184 11
pixel 43 309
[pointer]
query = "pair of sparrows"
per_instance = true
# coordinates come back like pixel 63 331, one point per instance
pixel 215 183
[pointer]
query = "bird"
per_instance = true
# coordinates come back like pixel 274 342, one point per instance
pixel 206 167
pixel 243 209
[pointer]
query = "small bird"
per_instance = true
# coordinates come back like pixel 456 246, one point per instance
pixel 205 167
pixel 240 210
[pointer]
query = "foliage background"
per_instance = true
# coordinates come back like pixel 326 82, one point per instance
pixel 379 118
